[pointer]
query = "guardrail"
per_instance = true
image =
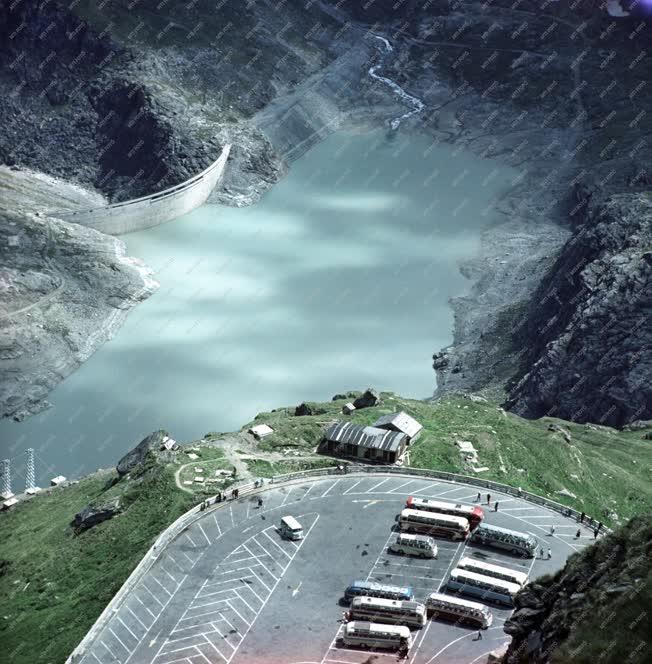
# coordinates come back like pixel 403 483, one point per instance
pixel 147 211
pixel 185 520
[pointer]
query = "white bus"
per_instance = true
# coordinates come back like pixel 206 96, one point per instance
pixel 473 513
pixel 377 635
pixel 496 571
pixel 502 538
pixel 446 607
pixel 485 587
pixel 432 523
pixel 391 611
pixel 414 545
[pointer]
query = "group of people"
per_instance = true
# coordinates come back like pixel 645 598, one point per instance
pixel 479 498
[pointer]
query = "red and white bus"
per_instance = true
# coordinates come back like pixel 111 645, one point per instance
pixel 432 523
pixel 473 513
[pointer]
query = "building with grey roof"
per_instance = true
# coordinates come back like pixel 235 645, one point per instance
pixel 401 422
pixel 363 442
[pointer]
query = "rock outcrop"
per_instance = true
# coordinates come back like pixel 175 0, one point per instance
pixel 136 460
pixel 64 290
pixel 594 610
pixel 368 399
pixel 587 336
pixel 93 514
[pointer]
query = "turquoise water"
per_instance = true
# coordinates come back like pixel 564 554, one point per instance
pixel 338 279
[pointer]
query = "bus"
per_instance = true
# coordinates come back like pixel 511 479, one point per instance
pixel 431 523
pixel 391 611
pixel 374 589
pixel 446 607
pixel 486 587
pixel 414 545
pixel 495 571
pixel 522 544
pixel 377 635
pixel 473 513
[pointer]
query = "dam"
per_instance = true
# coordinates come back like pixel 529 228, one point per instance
pixel 338 279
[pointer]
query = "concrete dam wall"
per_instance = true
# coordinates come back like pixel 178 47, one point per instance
pixel 148 211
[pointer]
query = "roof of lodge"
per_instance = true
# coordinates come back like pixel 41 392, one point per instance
pixel 363 436
pixel 401 421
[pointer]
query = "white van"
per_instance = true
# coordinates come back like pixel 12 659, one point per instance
pixel 290 528
pixel 415 545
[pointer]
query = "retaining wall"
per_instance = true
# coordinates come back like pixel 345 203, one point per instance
pixel 176 528
pixel 148 211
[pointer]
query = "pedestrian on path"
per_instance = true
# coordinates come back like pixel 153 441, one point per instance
pixel 552 531
pixel 260 503
pixel 478 636
pixel 488 498
pixel 582 515
pixel 541 552
pixel 595 533
pixel 578 533
pixel 234 472
pixel 496 507
pixel 549 553
pixel 599 525
pixel 477 500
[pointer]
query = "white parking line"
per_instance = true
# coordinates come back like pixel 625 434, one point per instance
pixel 351 487
pixel 281 549
pixel 151 593
pixel 165 590
pixel 401 485
pixel 127 628
pixel 323 495
pixel 287 495
pixel 212 645
pixel 144 606
pixel 373 488
pixel 204 533
pixel 119 640
pixel 138 619
pixel 426 488
pixel 202 654
pixel 244 601
pixel 219 530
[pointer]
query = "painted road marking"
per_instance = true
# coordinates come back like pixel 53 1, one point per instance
pixel 296 590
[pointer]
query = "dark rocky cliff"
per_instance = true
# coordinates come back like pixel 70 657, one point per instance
pixel 594 610
pixel 587 334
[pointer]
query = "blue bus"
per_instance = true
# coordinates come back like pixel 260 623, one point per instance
pixel 486 588
pixel 373 589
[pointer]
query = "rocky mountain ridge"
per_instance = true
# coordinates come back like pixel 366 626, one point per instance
pixel 594 609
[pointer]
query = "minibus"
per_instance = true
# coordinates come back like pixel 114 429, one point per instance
pixel 290 528
pixel 421 546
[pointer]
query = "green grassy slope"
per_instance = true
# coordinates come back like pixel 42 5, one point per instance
pixel 612 468
pixel 54 584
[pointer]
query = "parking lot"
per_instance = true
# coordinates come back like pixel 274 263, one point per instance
pixel 229 589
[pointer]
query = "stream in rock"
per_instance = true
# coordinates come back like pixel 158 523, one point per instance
pixel 338 279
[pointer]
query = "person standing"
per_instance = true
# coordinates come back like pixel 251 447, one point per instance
pixel 582 515
pixel 578 533
pixel 541 553
pixel 488 498
pixel 477 500
pixel 496 506
pixel 599 525
pixel 549 553
pixel 595 533
pixel 479 636
pixel 552 531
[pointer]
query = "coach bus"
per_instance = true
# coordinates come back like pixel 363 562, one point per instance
pixel 374 589
pixel 485 587
pixel 391 611
pixel 473 513
pixel 517 542
pixel 431 523
pixel 446 607
pixel 377 635
pixel 495 571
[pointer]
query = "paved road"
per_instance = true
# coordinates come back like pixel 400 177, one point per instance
pixel 229 590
